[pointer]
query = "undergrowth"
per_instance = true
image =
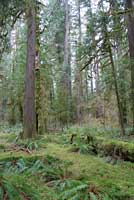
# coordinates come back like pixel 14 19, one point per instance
pixel 74 172
pixel 14 187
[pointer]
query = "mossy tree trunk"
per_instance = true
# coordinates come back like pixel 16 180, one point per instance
pixel 79 81
pixel 29 101
pixel 66 80
pixel 130 27
pixel 37 68
pixel 119 104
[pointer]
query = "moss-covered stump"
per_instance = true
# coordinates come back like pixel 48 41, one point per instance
pixel 117 149
pixel 105 147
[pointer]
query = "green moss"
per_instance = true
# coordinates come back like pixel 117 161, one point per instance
pixel 96 171
pixel 124 150
pixel 114 180
pixel 2 146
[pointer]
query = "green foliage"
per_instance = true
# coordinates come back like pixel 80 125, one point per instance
pixel 84 149
pixel 89 48
pixel 2 146
pixel 32 145
pixel 36 166
pixel 10 130
pixel 19 166
pixel 29 144
pixel 15 166
pixel 70 175
pixel 15 187
pixel 82 131
pixel 55 169
pixel 83 140
pixel 74 190
pixel 49 168
pixel 81 147
pixel 123 150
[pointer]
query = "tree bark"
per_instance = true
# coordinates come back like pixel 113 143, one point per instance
pixel 92 88
pixel 37 74
pixel 130 27
pixel 116 91
pixel 66 62
pixel 29 101
pixel 118 51
pixel 79 81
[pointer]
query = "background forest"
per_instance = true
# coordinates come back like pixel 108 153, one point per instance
pixel 66 99
pixel 83 62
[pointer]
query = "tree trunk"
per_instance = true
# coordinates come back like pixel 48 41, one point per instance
pixel 116 90
pixel 130 26
pixel 37 74
pixel 66 62
pixel 118 51
pixel 20 111
pixel 79 82
pixel 119 103
pixel 92 88
pixel 29 101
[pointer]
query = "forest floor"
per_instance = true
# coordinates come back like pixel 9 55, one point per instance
pixel 53 169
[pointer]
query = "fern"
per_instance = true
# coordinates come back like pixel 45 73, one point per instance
pixel 92 196
pixel 72 190
pixel 106 197
pixel 33 145
pixel 16 166
pixel 1 193
pixel 84 149
pixel 37 166
pixel 13 187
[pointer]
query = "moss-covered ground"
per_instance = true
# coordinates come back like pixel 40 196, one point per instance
pixel 116 181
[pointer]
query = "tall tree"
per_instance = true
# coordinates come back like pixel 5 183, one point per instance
pixel 66 63
pixel 79 81
pixel 119 37
pixel 37 68
pixel 29 101
pixel 130 26
pixel 108 47
pixel 66 77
